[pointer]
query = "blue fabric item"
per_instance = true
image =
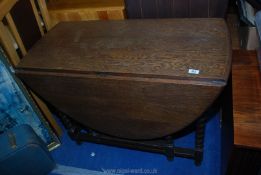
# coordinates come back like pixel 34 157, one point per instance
pixel 109 159
pixel 23 152
pixel 17 107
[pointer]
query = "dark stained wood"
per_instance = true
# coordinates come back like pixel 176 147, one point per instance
pixel 199 8
pixel 137 108
pixel 149 48
pixel 134 7
pixel 176 8
pixel 259 58
pixel 246 99
pixel 149 8
pixel 218 8
pixel 181 9
pixel 165 8
pixel 130 78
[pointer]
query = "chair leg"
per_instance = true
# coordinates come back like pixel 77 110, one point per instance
pixel 199 145
pixel 162 146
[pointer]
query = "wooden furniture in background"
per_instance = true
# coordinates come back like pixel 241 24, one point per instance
pixel 78 10
pixel 246 156
pixel 176 8
pixel 26 29
pixel 233 25
pixel 246 99
pixel 135 79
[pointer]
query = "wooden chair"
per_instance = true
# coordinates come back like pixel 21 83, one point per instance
pixel 23 22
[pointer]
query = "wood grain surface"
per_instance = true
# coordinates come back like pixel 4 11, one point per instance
pixel 130 78
pixel 167 48
pixel 82 10
pixel 68 4
pixel 246 99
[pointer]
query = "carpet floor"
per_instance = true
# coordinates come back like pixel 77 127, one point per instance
pixel 89 158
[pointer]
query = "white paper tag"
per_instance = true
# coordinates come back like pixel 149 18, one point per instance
pixel 193 71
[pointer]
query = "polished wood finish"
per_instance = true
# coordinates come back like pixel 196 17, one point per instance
pixel 161 48
pixel 79 10
pixel 130 78
pixel 67 4
pixel 6 6
pixel 246 99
